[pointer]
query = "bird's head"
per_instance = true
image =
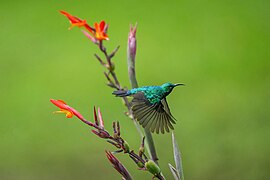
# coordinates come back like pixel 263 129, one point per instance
pixel 168 87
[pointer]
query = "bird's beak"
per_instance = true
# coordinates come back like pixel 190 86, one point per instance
pixel 179 84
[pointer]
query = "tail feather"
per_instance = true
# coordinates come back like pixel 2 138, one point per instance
pixel 120 93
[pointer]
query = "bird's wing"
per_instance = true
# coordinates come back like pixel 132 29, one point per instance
pixel 166 107
pixel 155 117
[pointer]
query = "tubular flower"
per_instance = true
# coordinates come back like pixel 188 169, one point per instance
pixel 74 20
pixel 66 109
pixel 100 31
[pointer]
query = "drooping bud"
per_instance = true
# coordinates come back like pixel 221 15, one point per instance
pixel 152 167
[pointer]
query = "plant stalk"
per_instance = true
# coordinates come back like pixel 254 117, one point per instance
pixel 131 54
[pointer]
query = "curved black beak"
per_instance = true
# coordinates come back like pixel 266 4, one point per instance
pixel 179 84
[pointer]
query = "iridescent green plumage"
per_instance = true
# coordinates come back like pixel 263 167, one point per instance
pixel 149 106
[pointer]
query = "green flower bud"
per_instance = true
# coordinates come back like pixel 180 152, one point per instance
pixel 152 167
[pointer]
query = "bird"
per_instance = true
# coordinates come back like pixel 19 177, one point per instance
pixel 149 106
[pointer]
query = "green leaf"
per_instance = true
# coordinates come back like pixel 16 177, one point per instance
pixel 174 172
pixel 177 158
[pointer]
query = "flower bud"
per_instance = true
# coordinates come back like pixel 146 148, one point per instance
pixel 101 122
pixel 152 167
pixel 131 55
pixel 132 43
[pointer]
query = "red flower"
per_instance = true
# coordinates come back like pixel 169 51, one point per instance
pixel 100 31
pixel 66 109
pixel 74 20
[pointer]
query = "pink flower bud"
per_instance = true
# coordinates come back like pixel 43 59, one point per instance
pixel 132 43
pixel 131 55
pixel 101 123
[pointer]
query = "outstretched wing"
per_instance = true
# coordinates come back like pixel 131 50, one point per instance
pixel 155 117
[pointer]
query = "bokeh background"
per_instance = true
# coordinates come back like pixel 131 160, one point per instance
pixel 219 49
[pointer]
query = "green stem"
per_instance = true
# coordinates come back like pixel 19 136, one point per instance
pixel 150 145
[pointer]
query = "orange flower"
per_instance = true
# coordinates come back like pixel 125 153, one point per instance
pixel 66 109
pixel 74 20
pixel 100 31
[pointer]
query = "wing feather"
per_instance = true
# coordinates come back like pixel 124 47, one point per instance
pixel 147 118
pixel 162 126
pixel 153 125
pixel 151 121
pixel 155 117
pixel 142 117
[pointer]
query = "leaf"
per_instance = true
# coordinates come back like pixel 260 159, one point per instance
pixel 174 172
pixel 177 158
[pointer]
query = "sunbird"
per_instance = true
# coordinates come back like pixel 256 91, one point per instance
pixel 149 106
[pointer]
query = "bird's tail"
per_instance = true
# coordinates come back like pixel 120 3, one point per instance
pixel 120 93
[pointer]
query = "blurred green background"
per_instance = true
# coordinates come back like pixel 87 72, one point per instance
pixel 219 49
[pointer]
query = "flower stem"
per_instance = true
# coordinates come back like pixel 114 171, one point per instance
pixel 148 136
pixel 131 54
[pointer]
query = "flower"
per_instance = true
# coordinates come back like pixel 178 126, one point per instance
pixel 74 20
pixel 100 31
pixel 66 109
